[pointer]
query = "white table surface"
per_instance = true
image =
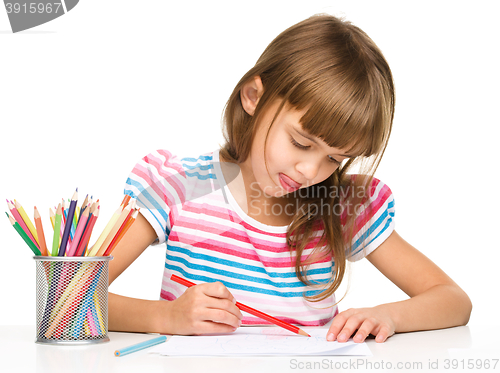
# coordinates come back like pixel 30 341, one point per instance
pixel 420 351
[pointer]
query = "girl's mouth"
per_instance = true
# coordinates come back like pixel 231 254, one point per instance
pixel 288 184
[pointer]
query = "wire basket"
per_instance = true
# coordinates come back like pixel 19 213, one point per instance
pixel 72 300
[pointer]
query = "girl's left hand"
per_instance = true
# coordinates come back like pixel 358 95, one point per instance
pixel 366 321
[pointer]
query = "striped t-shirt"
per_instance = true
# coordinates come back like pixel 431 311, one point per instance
pixel 210 238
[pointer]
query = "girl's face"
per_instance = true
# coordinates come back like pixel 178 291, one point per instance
pixel 295 159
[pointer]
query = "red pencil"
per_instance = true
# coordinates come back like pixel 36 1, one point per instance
pixel 119 235
pixel 250 310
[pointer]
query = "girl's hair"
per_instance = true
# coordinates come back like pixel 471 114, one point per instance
pixel 335 72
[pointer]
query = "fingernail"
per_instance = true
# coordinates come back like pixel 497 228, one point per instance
pixel 341 337
pixel 330 337
pixel 358 337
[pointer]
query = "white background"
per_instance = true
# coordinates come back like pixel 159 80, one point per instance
pixel 84 97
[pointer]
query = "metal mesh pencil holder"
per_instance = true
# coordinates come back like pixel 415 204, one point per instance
pixel 71 300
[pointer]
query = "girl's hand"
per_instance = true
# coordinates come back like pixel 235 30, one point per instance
pixel 365 320
pixel 202 309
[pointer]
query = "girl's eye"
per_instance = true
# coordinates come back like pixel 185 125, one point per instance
pixel 333 160
pixel 303 147
pixel 300 146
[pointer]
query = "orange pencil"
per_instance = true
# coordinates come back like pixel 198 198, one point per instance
pixel 41 235
pixel 121 233
pixel 251 310
pixel 125 200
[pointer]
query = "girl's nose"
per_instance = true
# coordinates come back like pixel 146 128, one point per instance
pixel 308 168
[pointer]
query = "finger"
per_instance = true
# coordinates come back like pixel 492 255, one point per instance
pixel 225 305
pixel 353 323
pixel 217 290
pixel 368 326
pixel 210 327
pixel 222 317
pixel 383 334
pixel 337 324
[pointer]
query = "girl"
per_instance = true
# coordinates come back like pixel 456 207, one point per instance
pixel 271 218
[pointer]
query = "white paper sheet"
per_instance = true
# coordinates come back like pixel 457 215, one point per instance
pixel 270 341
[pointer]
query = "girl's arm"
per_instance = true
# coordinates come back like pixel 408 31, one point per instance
pixel 435 300
pixel 206 308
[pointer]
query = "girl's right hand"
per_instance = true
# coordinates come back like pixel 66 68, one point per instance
pixel 202 309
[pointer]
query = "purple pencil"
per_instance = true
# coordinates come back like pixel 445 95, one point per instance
pixel 67 227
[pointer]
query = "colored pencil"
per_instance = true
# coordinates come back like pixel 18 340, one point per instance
pixel 57 230
pixel 125 200
pixel 52 217
pixel 124 215
pixel 121 233
pixel 140 346
pixel 24 236
pixel 105 232
pixel 21 222
pixel 67 228
pixel 76 217
pixel 78 234
pixel 251 310
pixel 27 220
pixel 86 236
pixel 84 206
pixel 41 235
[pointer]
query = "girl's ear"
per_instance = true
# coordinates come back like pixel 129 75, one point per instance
pixel 250 94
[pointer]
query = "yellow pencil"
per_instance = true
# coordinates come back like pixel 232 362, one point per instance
pixel 105 232
pixel 113 231
pixel 27 221
pixel 52 218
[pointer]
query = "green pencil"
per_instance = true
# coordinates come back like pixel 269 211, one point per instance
pixel 57 231
pixel 23 234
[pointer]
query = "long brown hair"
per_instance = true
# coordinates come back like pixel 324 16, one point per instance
pixel 334 71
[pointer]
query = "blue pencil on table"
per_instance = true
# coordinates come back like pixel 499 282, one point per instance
pixel 141 346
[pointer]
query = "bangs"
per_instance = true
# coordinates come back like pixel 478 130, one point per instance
pixel 348 115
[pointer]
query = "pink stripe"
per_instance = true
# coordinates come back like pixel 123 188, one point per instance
pixel 160 191
pixel 228 215
pixel 167 295
pixel 249 299
pixel 172 178
pixel 235 251
pixel 234 233
pixel 215 211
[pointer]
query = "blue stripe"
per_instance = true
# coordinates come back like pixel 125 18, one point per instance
pixel 198 165
pixel 386 216
pixel 252 289
pixel 201 177
pixel 230 263
pixel 238 276
pixel 145 196
pixel 200 158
